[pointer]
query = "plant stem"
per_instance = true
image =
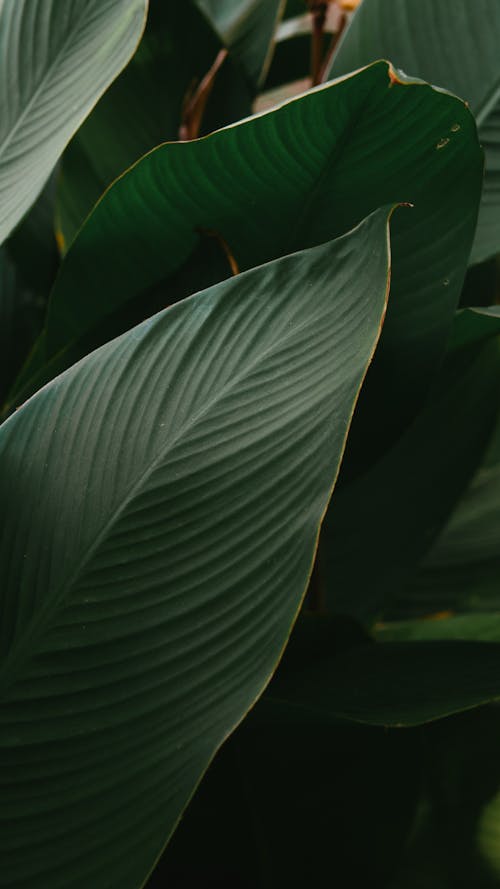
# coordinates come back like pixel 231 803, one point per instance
pixel 331 49
pixel 196 100
pixel 318 12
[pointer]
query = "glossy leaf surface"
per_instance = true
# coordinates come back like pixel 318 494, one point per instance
pixel 144 107
pixel 56 61
pixel 286 180
pixel 157 544
pixel 453 44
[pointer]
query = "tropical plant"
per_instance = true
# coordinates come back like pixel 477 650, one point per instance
pixel 249 254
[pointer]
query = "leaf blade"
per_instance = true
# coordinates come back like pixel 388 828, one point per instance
pixel 438 41
pixel 200 635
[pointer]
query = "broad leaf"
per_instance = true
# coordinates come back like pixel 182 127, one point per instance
pixel 393 683
pixel 454 44
pixel 160 505
pixel 285 180
pixel 177 50
pixel 57 59
pixel 247 28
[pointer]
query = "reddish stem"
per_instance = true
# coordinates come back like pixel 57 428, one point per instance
pixel 196 100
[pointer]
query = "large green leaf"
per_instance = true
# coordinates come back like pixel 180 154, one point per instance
pixel 56 60
pixel 285 180
pixel 454 44
pixel 331 674
pixel 177 50
pixel 247 27
pixel 160 510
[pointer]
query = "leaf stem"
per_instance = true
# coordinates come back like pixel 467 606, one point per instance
pixel 196 100
pixel 327 61
pixel 318 11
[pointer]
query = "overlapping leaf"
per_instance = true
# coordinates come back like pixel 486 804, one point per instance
pixel 247 27
pixel 284 180
pixel 393 512
pixel 331 675
pixel 144 107
pixel 56 61
pixel 160 509
pixel 453 44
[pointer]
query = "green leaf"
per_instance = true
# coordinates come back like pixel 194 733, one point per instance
pixel 323 682
pixel 156 547
pixel 393 512
pixel 480 627
pixel 454 44
pixel 475 324
pixel 289 179
pixel 177 50
pixel 460 573
pixel 434 679
pixel 247 28
pixel 56 62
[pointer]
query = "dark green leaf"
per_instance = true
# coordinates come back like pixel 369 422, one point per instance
pixel 247 28
pixel 454 44
pixel 160 511
pixel 461 572
pixel 393 683
pixel 144 107
pixel 382 523
pixel 286 180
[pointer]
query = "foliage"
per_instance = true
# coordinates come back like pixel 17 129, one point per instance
pixel 224 294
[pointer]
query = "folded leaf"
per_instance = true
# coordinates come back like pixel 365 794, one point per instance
pixel 281 181
pixel 160 511
pixel 460 573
